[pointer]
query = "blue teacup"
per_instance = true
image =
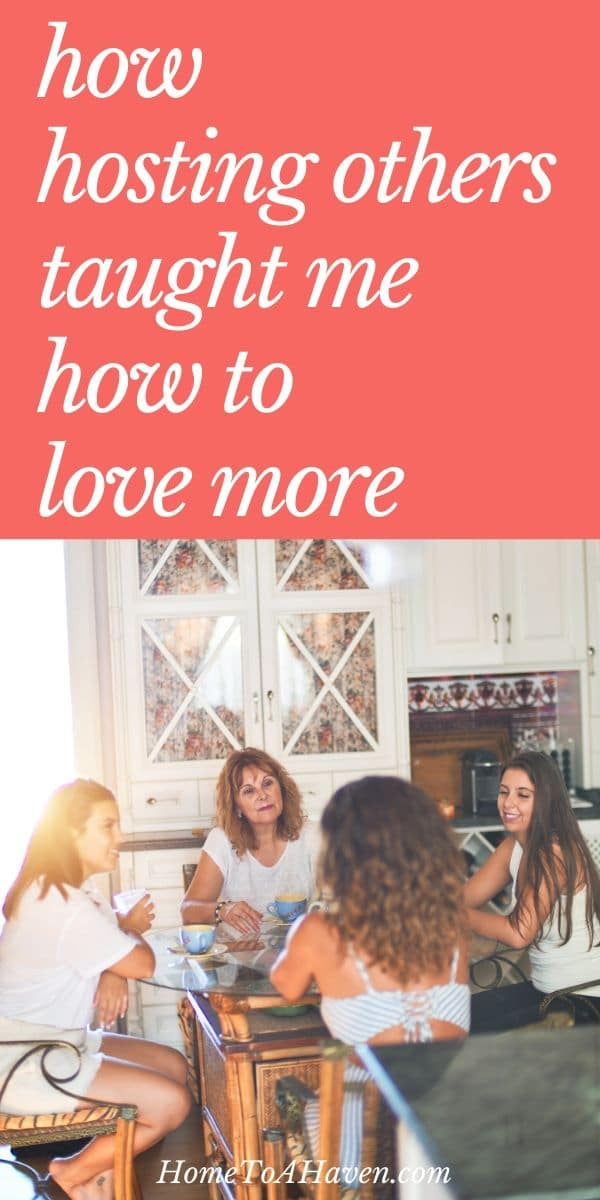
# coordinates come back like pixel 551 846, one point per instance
pixel 196 939
pixel 288 907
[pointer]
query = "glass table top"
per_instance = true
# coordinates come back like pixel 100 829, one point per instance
pixel 237 968
pixel 242 967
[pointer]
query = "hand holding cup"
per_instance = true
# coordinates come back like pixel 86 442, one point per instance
pixel 135 910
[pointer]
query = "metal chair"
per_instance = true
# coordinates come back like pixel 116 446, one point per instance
pixel 91 1121
pixel 569 997
pixel 506 967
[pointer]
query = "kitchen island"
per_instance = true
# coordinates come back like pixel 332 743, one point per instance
pixel 511 1116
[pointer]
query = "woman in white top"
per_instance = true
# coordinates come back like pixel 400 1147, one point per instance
pixel 262 846
pixel 63 953
pixel 556 889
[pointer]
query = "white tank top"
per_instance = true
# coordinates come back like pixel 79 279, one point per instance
pixel 555 966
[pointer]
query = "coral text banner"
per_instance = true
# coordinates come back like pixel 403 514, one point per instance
pixel 273 270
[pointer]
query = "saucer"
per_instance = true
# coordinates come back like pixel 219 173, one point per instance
pixel 276 927
pixel 216 949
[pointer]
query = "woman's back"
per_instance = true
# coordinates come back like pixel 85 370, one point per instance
pixel 361 1003
pixel 383 956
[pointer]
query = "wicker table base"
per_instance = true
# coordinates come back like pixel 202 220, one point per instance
pixel 242 1049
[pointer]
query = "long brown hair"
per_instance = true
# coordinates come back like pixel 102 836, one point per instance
pixel 553 824
pixel 238 829
pixel 391 864
pixel 51 855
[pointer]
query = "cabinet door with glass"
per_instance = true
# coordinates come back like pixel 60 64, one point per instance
pixel 327 656
pixel 186 658
pixel 221 644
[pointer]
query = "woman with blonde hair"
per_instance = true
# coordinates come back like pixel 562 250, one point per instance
pixel 62 955
pixel 262 846
pixel 389 955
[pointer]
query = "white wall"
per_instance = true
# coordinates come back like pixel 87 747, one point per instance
pixel 35 700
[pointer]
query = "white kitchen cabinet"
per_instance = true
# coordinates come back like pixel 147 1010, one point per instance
pixel 492 604
pixel 153 1010
pixel 592 549
pixel 454 607
pixel 160 1020
pixel 543 602
pixel 591 832
pixel 327 674
pixel 215 645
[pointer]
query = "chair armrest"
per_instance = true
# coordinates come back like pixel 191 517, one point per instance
pixel 44 1048
pixel 498 960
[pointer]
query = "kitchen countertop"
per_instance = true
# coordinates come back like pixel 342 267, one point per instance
pixel 513 1115
pixel 478 821
pixel 183 839
pixel 179 839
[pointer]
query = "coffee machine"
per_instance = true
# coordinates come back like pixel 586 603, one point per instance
pixel 481 779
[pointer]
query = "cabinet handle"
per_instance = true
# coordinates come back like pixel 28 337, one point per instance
pixel 270 696
pixel 509 628
pixel 151 800
pixel 495 620
pixel 592 659
pixel 255 703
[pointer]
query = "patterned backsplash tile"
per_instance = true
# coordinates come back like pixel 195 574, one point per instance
pixel 510 712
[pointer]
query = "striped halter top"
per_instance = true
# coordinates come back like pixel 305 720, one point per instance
pixel 355 1019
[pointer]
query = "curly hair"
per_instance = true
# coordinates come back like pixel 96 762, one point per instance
pixel 237 827
pixel 391 864
pixel 553 823
pixel 51 855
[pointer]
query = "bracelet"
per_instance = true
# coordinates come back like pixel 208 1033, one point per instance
pixel 218 907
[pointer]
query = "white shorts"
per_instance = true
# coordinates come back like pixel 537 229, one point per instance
pixel 28 1091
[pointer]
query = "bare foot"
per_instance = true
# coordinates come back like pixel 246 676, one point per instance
pixel 101 1187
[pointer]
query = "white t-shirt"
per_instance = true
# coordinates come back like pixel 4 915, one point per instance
pixel 246 879
pixel 52 952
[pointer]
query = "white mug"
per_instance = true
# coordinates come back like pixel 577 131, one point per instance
pixel 125 901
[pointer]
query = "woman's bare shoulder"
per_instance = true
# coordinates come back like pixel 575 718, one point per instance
pixel 557 858
pixel 315 929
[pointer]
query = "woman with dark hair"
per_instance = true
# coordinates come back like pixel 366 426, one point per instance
pixel 388 955
pixel 62 955
pixel 556 892
pixel 262 846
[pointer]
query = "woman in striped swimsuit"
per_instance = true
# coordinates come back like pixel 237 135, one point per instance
pixel 389 956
